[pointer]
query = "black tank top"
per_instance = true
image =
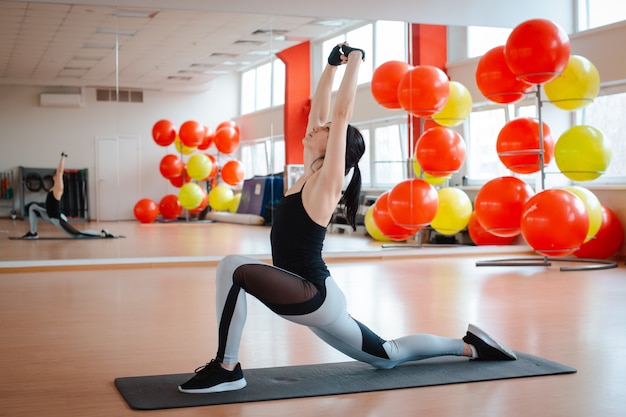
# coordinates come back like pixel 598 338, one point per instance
pixel 297 241
pixel 53 206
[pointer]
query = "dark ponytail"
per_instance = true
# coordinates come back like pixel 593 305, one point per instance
pixel 355 147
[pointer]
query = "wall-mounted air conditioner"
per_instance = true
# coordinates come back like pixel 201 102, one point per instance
pixel 61 100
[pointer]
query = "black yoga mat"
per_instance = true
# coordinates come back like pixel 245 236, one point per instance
pixel 88 237
pixel 265 384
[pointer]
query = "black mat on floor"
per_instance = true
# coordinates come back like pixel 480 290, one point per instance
pixel 82 237
pixel 264 384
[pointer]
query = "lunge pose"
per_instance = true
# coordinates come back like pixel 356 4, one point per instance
pixel 298 286
pixel 53 213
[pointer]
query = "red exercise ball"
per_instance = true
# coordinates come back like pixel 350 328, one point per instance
pixel 233 172
pixel 499 205
pixel 440 151
pixel 555 222
pixel 207 139
pixel 228 123
pixel 214 166
pixel 227 139
pixel 518 145
pixel 191 133
pixel 384 222
pixel 496 81
pixel 171 166
pixel 385 81
pixel 606 241
pixel 413 203
pixel 164 132
pixel 203 203
pixel 424 90
pixel 146 210
pixel 170 207
pixel 482 237
pixel 537 51
pixel 180 180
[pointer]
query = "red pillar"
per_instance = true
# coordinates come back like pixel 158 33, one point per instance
pixel 297 61
pixel 429 46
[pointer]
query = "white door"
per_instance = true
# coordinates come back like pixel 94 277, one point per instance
pixel 117 174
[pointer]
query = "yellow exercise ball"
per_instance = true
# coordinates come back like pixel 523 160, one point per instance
pixel 576 87
pixel 454 211
pixel 593 206
pixel 371 227
pixel 457 108
pixel 582 153
pixel 182 148
pixel 190 195
pixel 199 166
pixel 419 173
pixel 220 198
pixel 234 203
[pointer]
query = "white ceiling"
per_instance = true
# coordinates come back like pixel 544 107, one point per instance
pixel 182 45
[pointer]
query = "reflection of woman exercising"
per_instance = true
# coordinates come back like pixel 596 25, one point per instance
pixel 298 287
pixel 52 211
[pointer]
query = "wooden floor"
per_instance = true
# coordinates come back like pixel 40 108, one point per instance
pixel 74 315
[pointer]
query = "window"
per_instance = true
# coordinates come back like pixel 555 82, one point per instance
pixel 482 129
pixel 263 157
pixel 263 87
pixel 389 37
pixel 606 114
pixel 481 39
pixel 386 152
pixel 595 13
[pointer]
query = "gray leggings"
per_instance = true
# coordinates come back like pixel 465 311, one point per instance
pixel 323 310
pixel 35 211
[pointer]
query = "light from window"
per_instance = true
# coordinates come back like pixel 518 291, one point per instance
pixel 482 159
pixel 390 154
pixel 390 40
pixel 596 13
pixel 263 87
pixel 248 97
pixel 263 157
pixel 481 39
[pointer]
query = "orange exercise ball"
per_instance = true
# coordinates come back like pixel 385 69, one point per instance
pixel 424 90
pixel 481 237
pixel 170 207
pixel 537 51
pixel 207 139
pixel 386 224
pixel 227 139
pixel 496 81
pixel 171 166
pixel 440 151
pixel 191 133
pixel 519 143
pixel 555 222
pixel 413 203
pixel 385 81
pixel 163 132
pixel 233 172
pixel 499 205
pixel 146 210
pixel 607 240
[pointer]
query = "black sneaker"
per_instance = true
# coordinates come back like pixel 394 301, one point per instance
pixel 30 235
pixel 213 378
pixel 487 348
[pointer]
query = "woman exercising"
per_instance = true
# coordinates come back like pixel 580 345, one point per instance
pixel 53 213
pixel 298 286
